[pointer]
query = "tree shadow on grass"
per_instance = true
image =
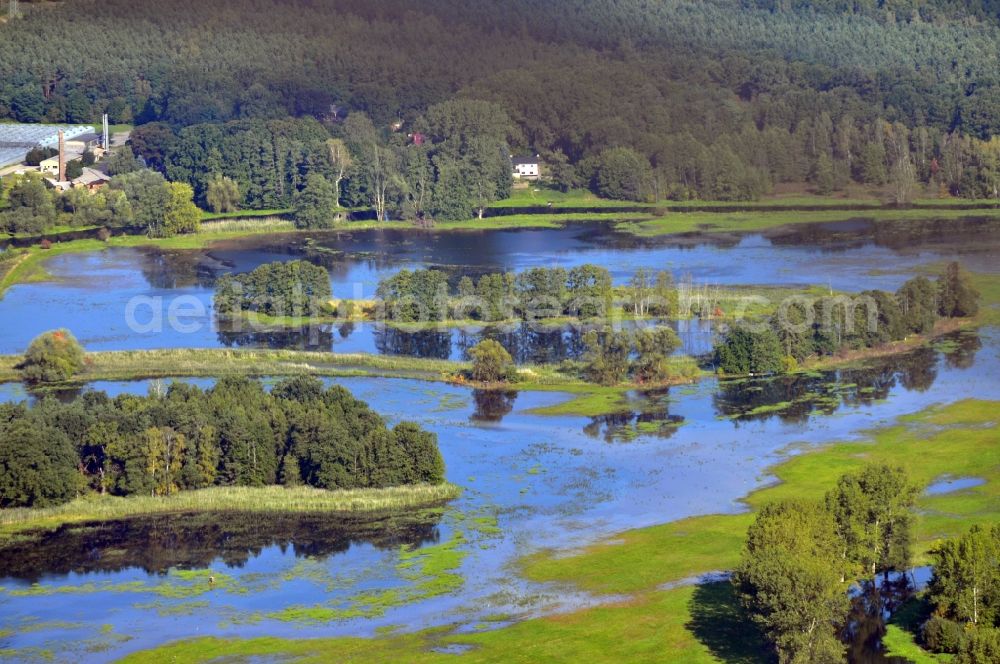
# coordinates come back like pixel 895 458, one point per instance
pixel 719 623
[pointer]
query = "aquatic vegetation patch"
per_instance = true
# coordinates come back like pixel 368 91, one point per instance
pixel 172 609
pixel 429 571
pixel 433 569
pixel 179 584
pixel 27 655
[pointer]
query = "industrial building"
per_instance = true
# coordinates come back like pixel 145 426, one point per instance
pixel 16 140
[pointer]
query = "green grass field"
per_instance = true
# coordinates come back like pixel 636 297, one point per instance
pixel 585 398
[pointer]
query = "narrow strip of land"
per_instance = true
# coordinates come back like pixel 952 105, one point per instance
pixel 268 499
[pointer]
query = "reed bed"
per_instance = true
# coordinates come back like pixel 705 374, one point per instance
pixel 247 225
pixel 269 499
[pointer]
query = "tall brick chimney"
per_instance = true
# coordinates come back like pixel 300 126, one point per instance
pixel 62 156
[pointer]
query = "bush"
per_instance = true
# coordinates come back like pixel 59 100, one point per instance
pixel 942 635
pixel 491 362
pixel 746 351
pixel 52 357
pixel 607 356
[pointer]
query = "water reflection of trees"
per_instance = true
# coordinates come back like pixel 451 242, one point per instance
pixel 960 350
pixel 177 269
pixel 897 235
pixel 871 606
pixel 312 337
pixel 651 417
pixel 526 343
pixel 796 397
pixel 529 344
pixel 156 544
pixel 492 405
pixel 430 343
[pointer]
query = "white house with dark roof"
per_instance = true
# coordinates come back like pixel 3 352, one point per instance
pixel 527 168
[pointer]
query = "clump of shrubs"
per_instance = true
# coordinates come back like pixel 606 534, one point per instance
pixel 491 363
pixel 52 357
pixel 942 635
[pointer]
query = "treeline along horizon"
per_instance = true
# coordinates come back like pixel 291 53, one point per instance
pixel 722 99
pixel 234 433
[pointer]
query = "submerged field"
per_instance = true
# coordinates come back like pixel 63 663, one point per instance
pixel 560 482
pixel 694 623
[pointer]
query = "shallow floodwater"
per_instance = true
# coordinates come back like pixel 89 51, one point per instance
pixel 531 481
pixel 96 591
pixel 171 292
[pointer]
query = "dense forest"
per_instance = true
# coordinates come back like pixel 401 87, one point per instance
pixel 718 99
pixel 235 433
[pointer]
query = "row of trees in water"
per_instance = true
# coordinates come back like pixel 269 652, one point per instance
pixel 801 556
pixel 235 433
pixel 832 324
pixel 292 288
pixel 801 327
pixel 424 295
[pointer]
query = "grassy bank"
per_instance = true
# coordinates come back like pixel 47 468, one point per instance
pixel 718 222
pixel 587 399
pixel 190 362
pixel 228 499
pixel 30 267
pixel 690 623
pixel 956 440
pixel 536 194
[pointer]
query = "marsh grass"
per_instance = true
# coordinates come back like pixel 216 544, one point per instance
pixel 244 214
pixel 248 225
pixel 231 499
pixel 957 440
